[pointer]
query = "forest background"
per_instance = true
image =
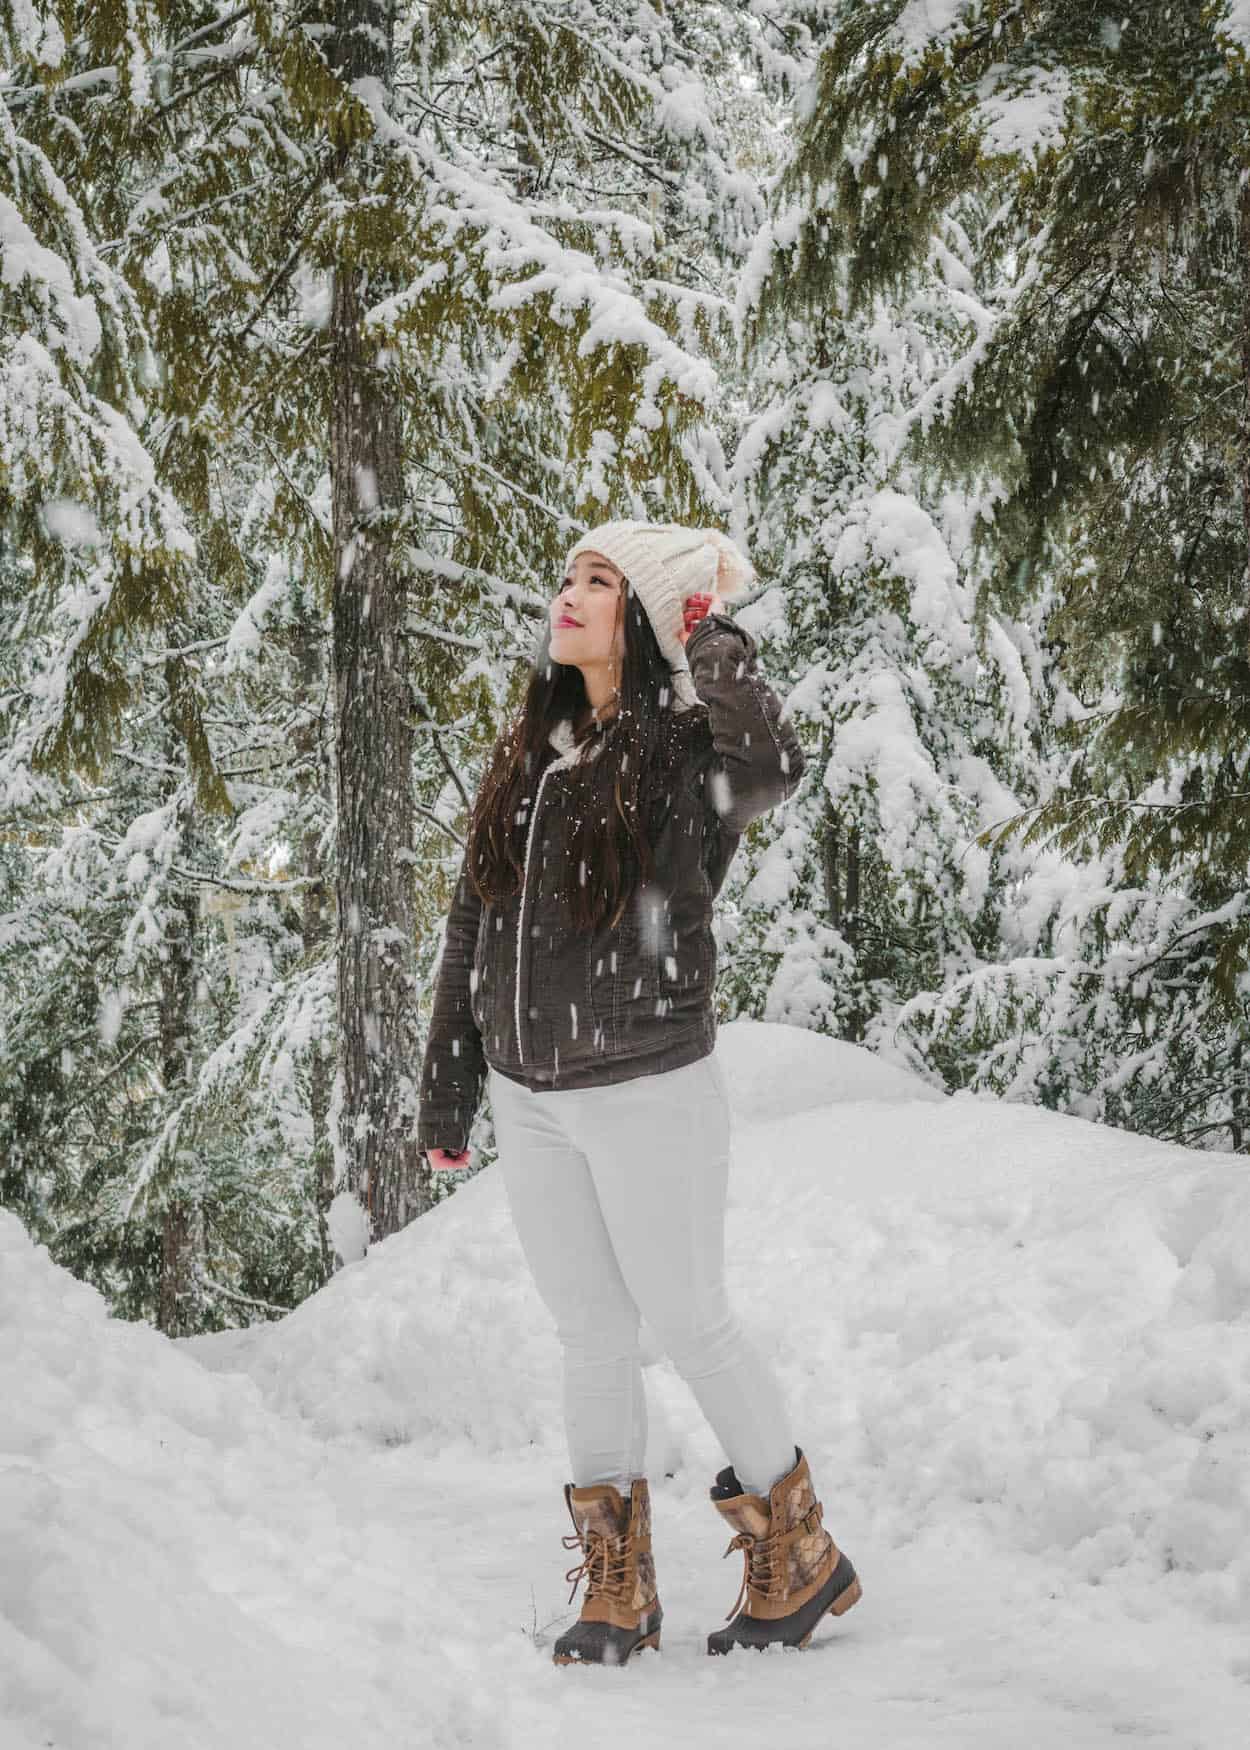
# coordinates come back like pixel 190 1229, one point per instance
pixel 325 328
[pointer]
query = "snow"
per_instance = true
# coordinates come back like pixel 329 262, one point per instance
pixel 347 1223
pixel 899 532
pixel 1018 1350
pixel 73 523
pixel 245 642
pixel 72 320
pixel 1235 23
pixel 773 1073
pixel 922 25
pixel 1023 111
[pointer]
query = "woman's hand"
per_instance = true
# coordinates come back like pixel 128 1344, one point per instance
pixel 697 606
pixel 445 1160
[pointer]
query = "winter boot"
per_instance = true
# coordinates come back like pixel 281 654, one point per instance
pixel 794 1572
pixel 621 1610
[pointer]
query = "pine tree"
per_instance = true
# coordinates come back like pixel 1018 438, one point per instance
pixel 1100 415
pixel 911 687
pixel 536 329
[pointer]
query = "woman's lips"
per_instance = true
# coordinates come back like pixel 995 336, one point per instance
pixel 565 621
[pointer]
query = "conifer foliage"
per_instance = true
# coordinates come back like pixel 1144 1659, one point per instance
pixel 324 327
pixel 1096 410
pixel 924 701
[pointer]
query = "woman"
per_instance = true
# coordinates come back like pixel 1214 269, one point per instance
pixel 577 976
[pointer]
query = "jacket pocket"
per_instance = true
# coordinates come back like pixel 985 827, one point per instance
pixel 596 999
pixel 620 986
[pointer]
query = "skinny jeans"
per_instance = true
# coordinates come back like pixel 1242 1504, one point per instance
pixel 618 1195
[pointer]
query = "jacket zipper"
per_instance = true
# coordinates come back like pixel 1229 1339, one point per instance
pixel 565 759
pixel 520 921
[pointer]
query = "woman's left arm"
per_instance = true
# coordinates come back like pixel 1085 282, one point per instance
pixel 757 759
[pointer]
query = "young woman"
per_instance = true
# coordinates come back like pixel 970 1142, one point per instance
pixel 577 977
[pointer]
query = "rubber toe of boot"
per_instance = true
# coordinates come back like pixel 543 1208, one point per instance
pixel 839 1592
pixel 603 1643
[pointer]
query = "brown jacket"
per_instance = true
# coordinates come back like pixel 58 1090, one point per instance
pixel 605 1005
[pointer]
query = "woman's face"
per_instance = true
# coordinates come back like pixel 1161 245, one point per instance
pixel 583 614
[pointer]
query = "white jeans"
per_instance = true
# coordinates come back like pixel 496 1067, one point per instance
pixel 618 1196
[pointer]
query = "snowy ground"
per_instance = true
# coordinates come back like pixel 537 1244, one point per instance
pixel 1017 1347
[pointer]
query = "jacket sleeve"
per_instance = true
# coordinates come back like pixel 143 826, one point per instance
pixel 756 757
pixel 454 1067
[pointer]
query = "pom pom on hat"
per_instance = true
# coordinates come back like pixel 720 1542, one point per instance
pixel 734 571
pixel 665 564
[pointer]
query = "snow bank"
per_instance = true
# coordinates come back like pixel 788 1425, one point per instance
pixel 439 1337
pixel 1019 1323
pixel 173 1566
pixel 1017 1349
pixel 772 1077
pixel 431 1339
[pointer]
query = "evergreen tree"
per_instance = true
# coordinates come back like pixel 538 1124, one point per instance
pixel 506 234
pixel 1100 416
pixel 923 715
pixel 915 689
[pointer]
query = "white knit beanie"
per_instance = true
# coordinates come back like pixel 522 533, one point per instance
pixel 665 563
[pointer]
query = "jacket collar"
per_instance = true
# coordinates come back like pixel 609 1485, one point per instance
pixel 561 738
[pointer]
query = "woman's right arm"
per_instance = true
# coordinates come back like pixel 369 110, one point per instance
pixel 454 1067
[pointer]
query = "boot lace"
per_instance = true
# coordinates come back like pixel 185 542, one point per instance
pixel 764 1564
pixel 606 1566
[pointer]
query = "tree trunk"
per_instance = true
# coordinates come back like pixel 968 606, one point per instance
pixel 180 1299
pixel 377 992
pixel 180 1295
pixel 1243 434
pixel 829 864
pixel 315 912
pixel 850 926
pixel 527 173
pixel 1239 1100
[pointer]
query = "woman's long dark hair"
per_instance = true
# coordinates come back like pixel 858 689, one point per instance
pixel 616 798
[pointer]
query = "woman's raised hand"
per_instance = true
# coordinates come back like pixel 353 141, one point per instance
pixel 695 609
pixel 445 1160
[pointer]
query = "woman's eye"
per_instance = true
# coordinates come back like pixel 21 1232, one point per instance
pixel 605 581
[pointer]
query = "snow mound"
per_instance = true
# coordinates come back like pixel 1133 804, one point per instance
pixel 994 1318
pixel 774 1071
pixel 436 1337
pixel 1016 1348
pixel 175 1569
